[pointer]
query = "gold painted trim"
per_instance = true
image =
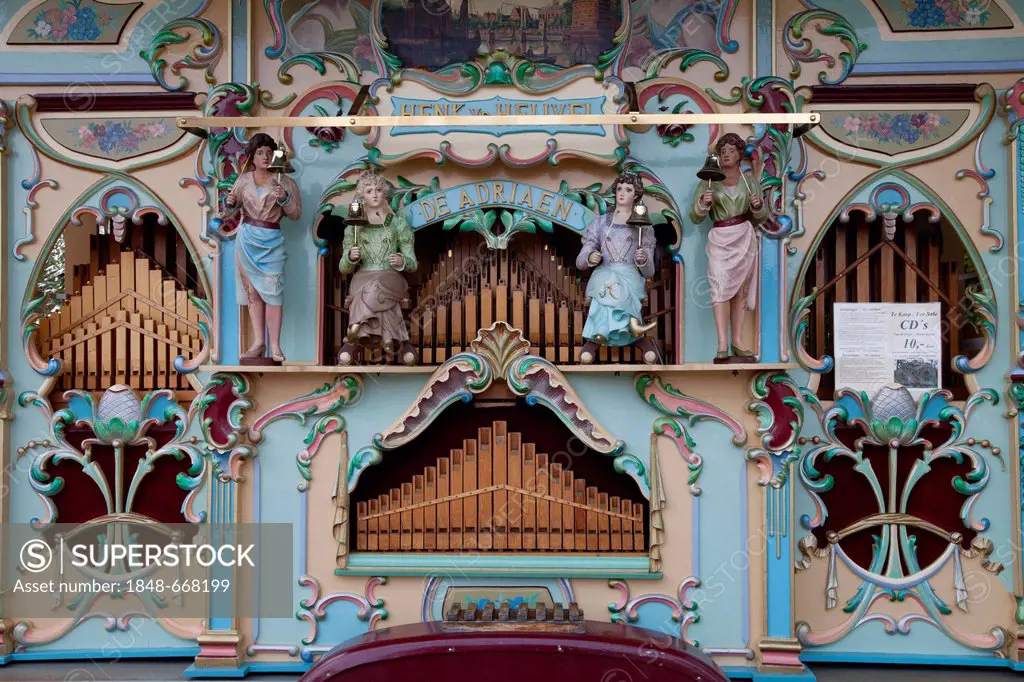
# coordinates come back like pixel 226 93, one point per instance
pixel 494 121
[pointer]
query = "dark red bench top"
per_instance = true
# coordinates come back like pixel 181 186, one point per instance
pixel 460 652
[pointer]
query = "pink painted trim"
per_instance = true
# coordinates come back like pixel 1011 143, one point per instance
pixel 680 301
pixel 784 658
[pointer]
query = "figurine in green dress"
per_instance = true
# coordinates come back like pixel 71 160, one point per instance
pixel 736 208
pixel 378 253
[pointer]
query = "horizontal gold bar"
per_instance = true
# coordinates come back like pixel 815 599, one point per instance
pixel 493 121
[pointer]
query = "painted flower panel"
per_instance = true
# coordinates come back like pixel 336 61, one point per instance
pixel 943 15
pixel 113 139
pixel 893 132
pixel 73 21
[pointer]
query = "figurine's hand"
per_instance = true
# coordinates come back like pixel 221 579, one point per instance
pixel 354 254
pixel 279 193
pixel 594 258
pixel 705 200
pixel 641 257
pixel 756 203
pixel 397 261
pixel 231 202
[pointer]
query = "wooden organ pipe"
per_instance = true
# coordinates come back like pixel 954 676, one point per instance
pixel 498 493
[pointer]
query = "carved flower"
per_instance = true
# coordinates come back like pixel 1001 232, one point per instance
pixel 42 28
pixel 118 416
pixel 327 138
pixel 893 414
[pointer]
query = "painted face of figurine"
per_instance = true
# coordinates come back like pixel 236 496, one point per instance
pixel 729 156
pixel 261 159
pixel 374 196
pixel 625 194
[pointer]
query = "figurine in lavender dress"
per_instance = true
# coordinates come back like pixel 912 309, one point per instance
pixel 622 256
pixel 735 207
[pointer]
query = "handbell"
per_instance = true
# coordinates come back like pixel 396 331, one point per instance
pixel 356 213
pixel 641 216
pixel 712 170
pixel 279 162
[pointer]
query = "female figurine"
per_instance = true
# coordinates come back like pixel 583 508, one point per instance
pixel 263 196
pixel 622 256
pixel 381 251
pixel 735 206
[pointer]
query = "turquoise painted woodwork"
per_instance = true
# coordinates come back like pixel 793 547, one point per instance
pixel 567 566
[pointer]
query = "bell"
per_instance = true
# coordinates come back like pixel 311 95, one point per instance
pixel 712 170
pixel 279 162
pixel 641 216
pixel 356 213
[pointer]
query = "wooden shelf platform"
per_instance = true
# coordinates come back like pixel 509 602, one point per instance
pixel 568 369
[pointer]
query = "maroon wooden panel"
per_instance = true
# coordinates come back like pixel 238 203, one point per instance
pixel 594 652
pixel 893 92
pixel 115 101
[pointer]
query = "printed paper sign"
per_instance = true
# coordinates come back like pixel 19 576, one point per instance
pixel 888 343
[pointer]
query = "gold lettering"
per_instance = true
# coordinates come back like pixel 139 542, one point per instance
pixel 522 108
pixel 527 199
pixel 574 106
pixel 499 193
pixel 442 205
pixel 545 201
pixel 432 212
pixel 503 108
pixel 562 208
pixel 408 110
pixel 483 193
pixel 465 200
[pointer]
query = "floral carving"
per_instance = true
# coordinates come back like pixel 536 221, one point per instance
pixel 324 405
pixel 684 609
pixel 124 429
pixel 898 534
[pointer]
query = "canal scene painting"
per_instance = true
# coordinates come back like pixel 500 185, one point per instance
pixel 434 33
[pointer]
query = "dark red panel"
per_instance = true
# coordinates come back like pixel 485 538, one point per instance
pixel 600 651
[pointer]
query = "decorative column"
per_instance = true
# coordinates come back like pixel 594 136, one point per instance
pixel 6 121
pixel 1014 109
pixel 223 401
pixel 1015 112
pixel 772 284
pixel 780 415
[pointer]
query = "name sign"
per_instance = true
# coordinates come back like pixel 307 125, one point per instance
pixel 506 193
pixel 499 106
